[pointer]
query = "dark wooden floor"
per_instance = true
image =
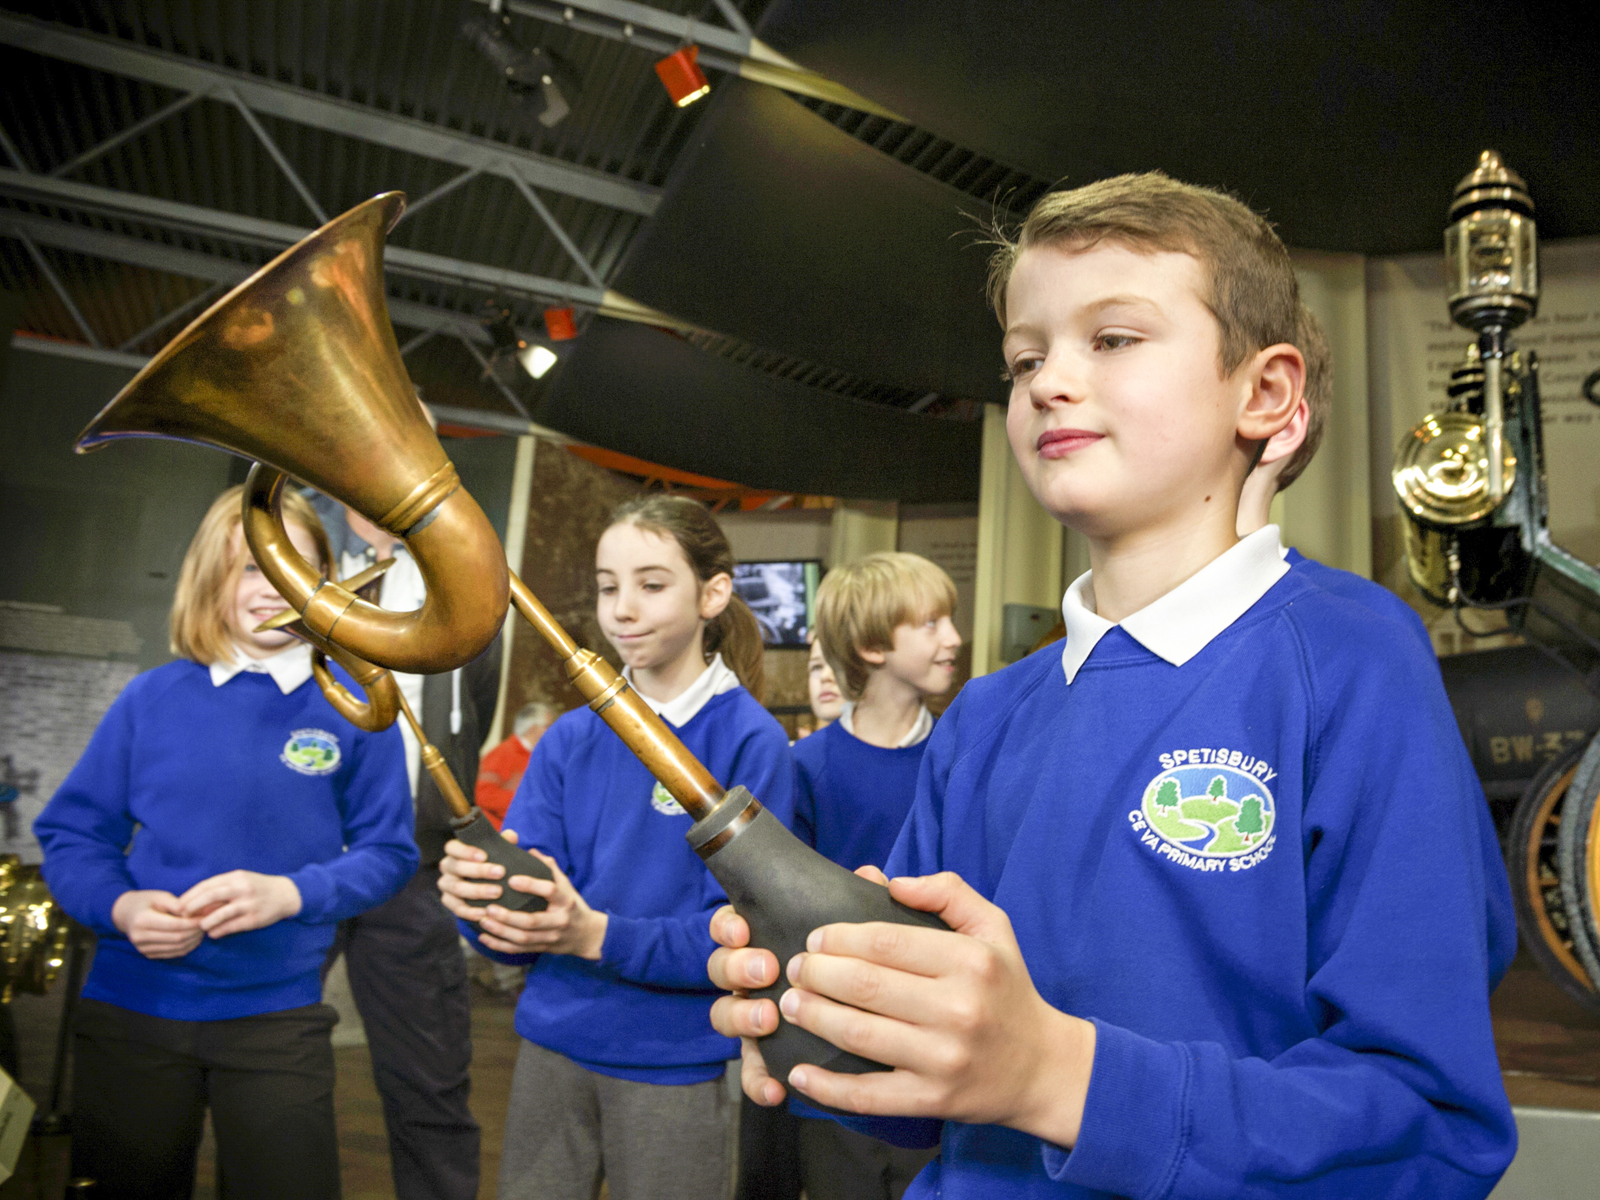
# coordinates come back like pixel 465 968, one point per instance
pixel 1549 1045
pixel 1549 1051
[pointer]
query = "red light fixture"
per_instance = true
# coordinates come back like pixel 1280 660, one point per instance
pixel 560 325
pixel 682 77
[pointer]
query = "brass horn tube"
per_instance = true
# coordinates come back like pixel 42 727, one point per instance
pixel 433 762
pixel 381 706
pixel 385 701
pixel 622 708
pixel 454 622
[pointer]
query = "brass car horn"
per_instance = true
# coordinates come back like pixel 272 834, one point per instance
pixel 298 368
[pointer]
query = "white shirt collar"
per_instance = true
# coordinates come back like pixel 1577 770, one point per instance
pixel 289 667
pixel 919 731
pixel 1180 624
pixel 717 678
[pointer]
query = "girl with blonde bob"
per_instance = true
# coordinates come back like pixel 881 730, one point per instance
pixel 620 1074
pixel 221 822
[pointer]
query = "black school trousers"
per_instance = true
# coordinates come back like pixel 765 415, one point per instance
pixel 141 1086
pixel 409 981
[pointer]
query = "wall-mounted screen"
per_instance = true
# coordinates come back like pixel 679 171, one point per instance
pixel 783 596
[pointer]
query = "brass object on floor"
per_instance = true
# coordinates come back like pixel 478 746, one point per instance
pixel 34 931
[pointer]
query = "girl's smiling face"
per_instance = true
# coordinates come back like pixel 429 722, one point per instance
pixel 255 599
pixel 651 606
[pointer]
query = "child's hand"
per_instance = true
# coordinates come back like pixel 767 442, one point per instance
pixel 236 901
pixel 567 926
pixel 736 969
pixel 460 871
pixel 155 924
pixel 955 1013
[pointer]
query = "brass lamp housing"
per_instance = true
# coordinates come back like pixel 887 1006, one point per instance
pixel 1441 471
pixel 1491 248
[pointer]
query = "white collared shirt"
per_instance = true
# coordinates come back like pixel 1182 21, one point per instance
pixel 717 678
pixel 402 590
pixel 289 667
pixel 1180 624
pixel 919 731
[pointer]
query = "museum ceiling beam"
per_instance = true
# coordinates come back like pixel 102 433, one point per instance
pixel 304 107
pixel 401 259
pixel 192 264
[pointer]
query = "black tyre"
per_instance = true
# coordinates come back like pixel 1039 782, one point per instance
pixel 1578 859
pixel 1532 861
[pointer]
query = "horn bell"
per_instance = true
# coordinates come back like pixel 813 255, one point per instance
pixel 298 368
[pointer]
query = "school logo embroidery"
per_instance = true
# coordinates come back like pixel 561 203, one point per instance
pixel 311 752
pixel 1209 810
pixel 661 800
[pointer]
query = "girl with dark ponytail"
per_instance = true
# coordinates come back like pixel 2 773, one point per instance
pixel 620 1074
pixel 734 632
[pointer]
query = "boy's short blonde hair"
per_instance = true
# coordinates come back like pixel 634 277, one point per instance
pixel 198 626
pixel 1250 283
pixel 1313 346
pixel 859 606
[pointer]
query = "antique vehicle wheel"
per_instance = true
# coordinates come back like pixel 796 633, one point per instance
pixel 1532 853
pixel 1578 860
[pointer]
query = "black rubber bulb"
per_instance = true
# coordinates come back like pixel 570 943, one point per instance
pixel 784 889
pixel 475 829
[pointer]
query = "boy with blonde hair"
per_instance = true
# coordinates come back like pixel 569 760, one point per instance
pixel 1221 923
pixel 884 625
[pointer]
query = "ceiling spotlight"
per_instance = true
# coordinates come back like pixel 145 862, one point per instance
pixel 536 359
pixel 560 325
pixel 511 346
pixel 537 78
pixel 682 77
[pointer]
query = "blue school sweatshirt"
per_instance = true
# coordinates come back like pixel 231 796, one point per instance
pixel 1260 875
pixel 643 1011
pixel 202 780
pixel 1384 603
pixel 1364 592
pixel 851 797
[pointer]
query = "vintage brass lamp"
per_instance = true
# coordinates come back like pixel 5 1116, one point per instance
pixel 298 368
pixel 1470 477
pixel 1471 482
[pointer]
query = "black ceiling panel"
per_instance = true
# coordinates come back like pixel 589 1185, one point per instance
pixel 1348 123
pixel 648 393
pixel 784 231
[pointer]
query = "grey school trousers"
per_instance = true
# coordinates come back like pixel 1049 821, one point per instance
pixel 567 1128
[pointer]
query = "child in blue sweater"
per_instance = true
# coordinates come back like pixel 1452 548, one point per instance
pixel 620 1073
pixel 884 626
pixel 221 822
pixel 1222 921
pixel 884 623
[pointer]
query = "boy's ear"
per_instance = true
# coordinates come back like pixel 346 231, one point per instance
pixel 875 657
pixel 1288 439
pixel 715 593
pixel 1277 379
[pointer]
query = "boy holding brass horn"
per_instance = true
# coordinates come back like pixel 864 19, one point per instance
pixel 1222 924
pixel 222 820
